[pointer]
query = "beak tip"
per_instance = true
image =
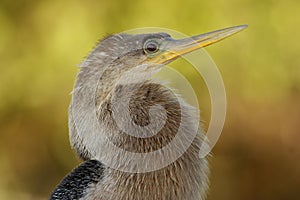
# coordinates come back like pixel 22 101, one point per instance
pixel 235 29
pixel 241 27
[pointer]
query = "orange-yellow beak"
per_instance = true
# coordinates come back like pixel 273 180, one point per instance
pixel 172 49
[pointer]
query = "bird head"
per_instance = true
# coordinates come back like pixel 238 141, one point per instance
pixel 123 52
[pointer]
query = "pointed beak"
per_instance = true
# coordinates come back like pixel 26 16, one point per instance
pixel 172 49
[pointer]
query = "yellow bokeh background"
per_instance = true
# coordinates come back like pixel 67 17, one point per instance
pixel 42 42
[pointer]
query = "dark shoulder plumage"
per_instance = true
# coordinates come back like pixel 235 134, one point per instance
pixel 74 185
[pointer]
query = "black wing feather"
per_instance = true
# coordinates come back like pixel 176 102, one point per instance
pixel 74 185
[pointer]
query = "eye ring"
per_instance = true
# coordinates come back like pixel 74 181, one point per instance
pixel 151 47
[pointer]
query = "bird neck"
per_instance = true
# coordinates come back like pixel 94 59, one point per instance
pixel 146 104
pixel 186 176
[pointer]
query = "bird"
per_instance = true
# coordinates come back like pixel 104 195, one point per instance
pixel 118 109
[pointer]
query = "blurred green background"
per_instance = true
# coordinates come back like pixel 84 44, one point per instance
pixel 42 41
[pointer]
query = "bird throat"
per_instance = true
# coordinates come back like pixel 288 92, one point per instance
pixel 136 101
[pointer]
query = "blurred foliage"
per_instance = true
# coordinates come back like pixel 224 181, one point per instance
pixel 41 42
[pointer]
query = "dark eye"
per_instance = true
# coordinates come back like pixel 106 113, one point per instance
pixel 151 47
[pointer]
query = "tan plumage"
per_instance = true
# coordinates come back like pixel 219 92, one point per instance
pixel 114 79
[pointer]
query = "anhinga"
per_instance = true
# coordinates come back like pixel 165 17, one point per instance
pixel 115 79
